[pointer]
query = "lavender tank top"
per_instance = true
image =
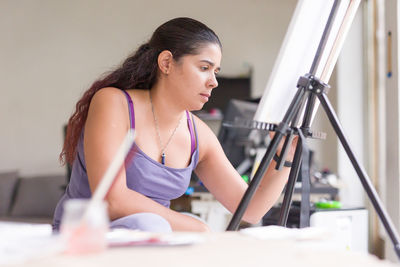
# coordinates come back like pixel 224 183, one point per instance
pixel 144 175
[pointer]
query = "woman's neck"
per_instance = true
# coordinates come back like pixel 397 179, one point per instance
pixel 167 109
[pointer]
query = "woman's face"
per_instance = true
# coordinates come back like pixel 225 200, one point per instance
pixel 194 76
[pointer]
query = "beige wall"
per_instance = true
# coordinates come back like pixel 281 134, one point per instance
pixel 51 51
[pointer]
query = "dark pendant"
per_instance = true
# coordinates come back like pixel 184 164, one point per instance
pixel 163 159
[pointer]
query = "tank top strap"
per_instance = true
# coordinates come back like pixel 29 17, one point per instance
pixel 192 134
pixel 131 109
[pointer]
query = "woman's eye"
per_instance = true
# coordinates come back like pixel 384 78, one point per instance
pixel 204 68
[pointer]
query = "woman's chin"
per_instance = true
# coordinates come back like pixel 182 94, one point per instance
pixel 197 107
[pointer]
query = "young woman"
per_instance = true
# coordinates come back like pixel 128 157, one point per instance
pixel 154 91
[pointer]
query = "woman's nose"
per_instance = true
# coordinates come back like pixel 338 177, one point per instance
pixel 213 82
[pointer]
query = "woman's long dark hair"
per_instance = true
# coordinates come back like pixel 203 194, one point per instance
pixel 180 36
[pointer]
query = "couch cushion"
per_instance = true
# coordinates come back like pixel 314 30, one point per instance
pixel 37 196
pixel 8 181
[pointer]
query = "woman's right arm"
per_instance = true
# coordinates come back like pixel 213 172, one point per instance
pixel 106 125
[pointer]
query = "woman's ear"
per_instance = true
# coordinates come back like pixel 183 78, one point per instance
pixel 165 61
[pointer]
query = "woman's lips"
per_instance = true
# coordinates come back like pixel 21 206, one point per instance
pixel 205 96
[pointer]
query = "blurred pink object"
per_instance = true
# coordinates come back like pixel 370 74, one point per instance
pixel 215 111
pixel 84 235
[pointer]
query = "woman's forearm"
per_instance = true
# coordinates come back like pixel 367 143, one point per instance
pixel 126 202
pixel 267 194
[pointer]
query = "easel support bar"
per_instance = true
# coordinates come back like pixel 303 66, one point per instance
pixel 362 174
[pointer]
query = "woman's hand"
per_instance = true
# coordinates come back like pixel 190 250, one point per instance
pixel 292 149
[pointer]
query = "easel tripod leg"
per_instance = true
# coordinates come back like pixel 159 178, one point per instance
pixel 362 174
pixel 294 173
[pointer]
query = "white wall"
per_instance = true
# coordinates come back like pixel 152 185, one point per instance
pixel 392 112
pixel 51 51
pixel 351 99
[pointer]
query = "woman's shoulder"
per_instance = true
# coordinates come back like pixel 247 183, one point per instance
pixel 203 126
pixel 206 136
pixel 115 98
pixel 108 106
pixel 200 124
pixel 109 99
pixel 108 92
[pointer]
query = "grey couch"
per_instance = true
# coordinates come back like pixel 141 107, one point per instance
pixel 29 199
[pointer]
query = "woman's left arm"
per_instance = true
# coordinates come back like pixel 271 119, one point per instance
pixel 225 183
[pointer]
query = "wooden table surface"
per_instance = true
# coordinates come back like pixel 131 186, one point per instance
pixel 227 249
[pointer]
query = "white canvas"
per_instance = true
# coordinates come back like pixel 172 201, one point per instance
pixel 298 51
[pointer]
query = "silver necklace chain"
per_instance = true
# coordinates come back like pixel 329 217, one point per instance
pixel 158 131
